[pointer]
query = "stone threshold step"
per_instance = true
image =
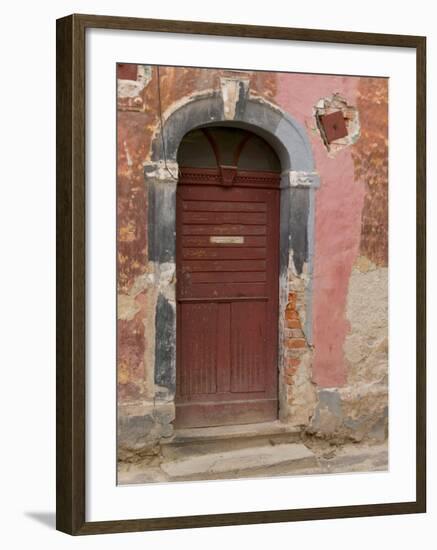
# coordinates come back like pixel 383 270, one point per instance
pixel 240 462
pixel 217 433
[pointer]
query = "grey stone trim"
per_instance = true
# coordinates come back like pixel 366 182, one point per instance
pixel 308 328
pixel 286 135
pixel 298 216
pixel 142 430
pixel 165 345
pixel 306 180
pixel 197 112
pixel 161 171
pixel 161 195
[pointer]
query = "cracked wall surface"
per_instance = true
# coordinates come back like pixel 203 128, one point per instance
pixel 360 408
pixel 333 361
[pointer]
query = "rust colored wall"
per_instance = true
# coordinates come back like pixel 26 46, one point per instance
pixel 350 212
pixel 370 155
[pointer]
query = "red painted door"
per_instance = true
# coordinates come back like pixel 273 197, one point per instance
pixel 227 300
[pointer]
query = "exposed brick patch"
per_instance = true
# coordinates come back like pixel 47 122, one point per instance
pixel 293 323
pixel 291 314
pixel 294 338
pixel 289 371
pixel 293 343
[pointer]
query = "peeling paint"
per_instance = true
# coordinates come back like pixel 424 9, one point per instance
pixel 334 374
pixel 302 393
pixel 234 91
pixel 133 88
pixel 359 409
pixel 164 171
pixel 127 307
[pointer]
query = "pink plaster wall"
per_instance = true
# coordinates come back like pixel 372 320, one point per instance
pixel 339 203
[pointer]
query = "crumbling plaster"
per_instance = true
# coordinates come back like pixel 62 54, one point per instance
pixel 360 408
pixel 323 384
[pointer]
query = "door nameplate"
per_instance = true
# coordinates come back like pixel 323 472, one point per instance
pixel 226 239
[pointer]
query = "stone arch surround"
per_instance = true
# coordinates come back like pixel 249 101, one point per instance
pixel 298 184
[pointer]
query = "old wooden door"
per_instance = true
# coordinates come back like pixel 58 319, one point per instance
pixel 227 296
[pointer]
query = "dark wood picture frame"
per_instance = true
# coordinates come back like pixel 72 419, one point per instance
pixel 71 247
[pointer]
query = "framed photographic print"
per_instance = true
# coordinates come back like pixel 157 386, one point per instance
pixel 240 274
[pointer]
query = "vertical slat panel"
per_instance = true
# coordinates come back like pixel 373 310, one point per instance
pixel 223 348
pixel 198 360
pixel 227 287
pixel 248 346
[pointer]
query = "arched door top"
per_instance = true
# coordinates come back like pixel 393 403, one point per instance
pixel 217 145
pixel 296 217
pixel 286 136
pixel 226 155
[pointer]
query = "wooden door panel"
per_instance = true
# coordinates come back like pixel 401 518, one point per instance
pixel 205 241
pixel 227 265
pixel 248 346
pixel 213 206
pixel 211 216
pixel 198 358
pixel 232 194
pixel 225 413
pixel 224 229
pixel 227 300
pixel 229 277
pixel 223 253
pixel 213 291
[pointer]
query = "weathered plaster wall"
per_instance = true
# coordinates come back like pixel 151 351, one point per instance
pixel 337 222
pixel 334 372
pixel 138 123
pixel 349 366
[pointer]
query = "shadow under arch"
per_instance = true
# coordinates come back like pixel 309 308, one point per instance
pixel 287 137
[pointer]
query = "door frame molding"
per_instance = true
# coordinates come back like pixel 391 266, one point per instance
pixel 298 184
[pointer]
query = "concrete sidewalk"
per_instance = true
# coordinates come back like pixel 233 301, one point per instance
pixel 198 461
